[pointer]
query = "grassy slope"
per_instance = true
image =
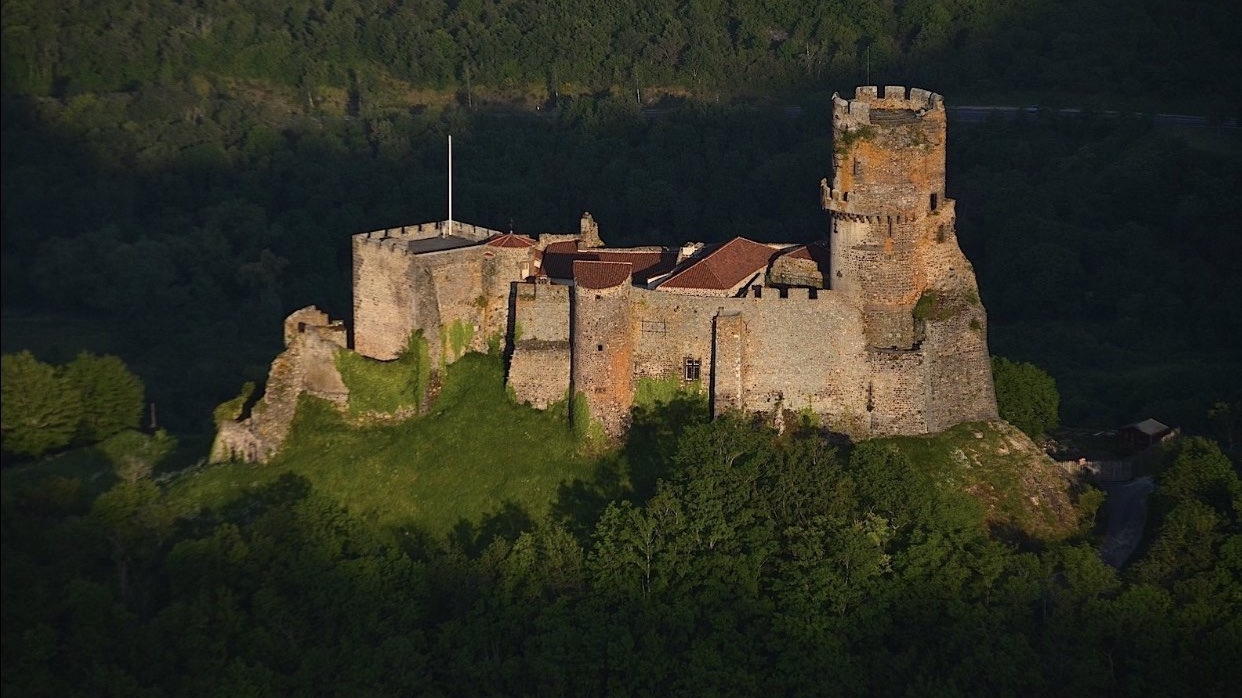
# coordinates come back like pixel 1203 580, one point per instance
pixel 475 454
pixel 1022 489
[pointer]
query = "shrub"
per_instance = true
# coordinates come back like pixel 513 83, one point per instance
pixel 1026 396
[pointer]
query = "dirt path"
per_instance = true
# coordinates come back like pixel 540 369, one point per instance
pixel 1126 507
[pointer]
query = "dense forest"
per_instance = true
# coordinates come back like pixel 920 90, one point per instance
pixel 178 175
pixel 1114 48
pixel 755 564
pixel 181 175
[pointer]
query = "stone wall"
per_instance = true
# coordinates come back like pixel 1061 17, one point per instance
pixel 307 365
pixel 897 392
pixel 761 354
pixel 539 368
pixel 959 370
pixel 603 341
pixel 458 298
pixel 383 296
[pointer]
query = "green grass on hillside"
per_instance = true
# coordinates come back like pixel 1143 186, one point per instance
pixel 474 455
pixel 387 387
pixel 1020 487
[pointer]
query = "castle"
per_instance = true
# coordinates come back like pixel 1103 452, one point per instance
pixel 876 330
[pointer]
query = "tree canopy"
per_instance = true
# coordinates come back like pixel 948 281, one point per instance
pixel 83 402
pixel 1026 396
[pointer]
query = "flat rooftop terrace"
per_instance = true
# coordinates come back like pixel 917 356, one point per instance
pixel 440 243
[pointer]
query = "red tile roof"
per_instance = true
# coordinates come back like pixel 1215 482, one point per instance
pixel 564 247
pixel 559 264
pixel 590 274
pixel 724 267
pixel 817 252
pixel 510 240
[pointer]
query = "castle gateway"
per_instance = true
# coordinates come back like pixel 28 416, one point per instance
pixel 877 329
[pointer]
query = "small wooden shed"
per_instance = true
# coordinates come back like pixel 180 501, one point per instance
pixel 1144 434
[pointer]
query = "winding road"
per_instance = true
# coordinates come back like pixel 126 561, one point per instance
pixel 980 114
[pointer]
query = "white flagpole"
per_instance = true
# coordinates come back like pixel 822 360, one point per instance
pixel 450 185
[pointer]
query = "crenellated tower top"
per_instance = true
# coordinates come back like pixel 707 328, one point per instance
pixel 888 152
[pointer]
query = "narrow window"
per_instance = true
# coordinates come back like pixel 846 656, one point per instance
pixel 857 167
pixel 692 369
pixel 935 201
pixel 599 347
pixel 758 290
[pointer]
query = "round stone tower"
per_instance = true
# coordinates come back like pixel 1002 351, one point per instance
pixel 886 205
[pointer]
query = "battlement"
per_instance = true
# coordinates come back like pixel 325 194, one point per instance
pixel 871 107
pixel 775 294
pixel 426 231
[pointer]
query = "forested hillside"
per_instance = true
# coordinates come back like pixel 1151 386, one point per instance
pixel 179 175
pixel 700 558
pixel 1145 50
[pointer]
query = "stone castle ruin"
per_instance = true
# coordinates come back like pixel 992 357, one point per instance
pixel 876 330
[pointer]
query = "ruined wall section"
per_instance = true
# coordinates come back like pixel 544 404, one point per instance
pixel 539 369
pixel 307 365
pixel 604 332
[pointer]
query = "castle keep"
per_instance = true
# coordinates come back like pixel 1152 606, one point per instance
pixel 876 330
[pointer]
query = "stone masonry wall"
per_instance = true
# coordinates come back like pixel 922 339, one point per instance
pixel 391 296
pixel 603 353
pixel 540 366
pixel 959 370
pixel 897 392
pixel 794 353
pixel 383 296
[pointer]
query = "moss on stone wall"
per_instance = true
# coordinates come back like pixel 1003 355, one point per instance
pixel 650 392
pixel 233 410
pixel 937 305
pixel 455 340
pixel 387 387
pixel 846 139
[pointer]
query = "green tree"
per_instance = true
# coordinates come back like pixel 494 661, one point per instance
pixel 135 455
pixel 41 409
pixel 1026 396
pixel 111 396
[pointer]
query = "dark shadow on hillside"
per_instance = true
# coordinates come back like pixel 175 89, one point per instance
pixel 632 472
pixel 507 523
pixel 286 490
